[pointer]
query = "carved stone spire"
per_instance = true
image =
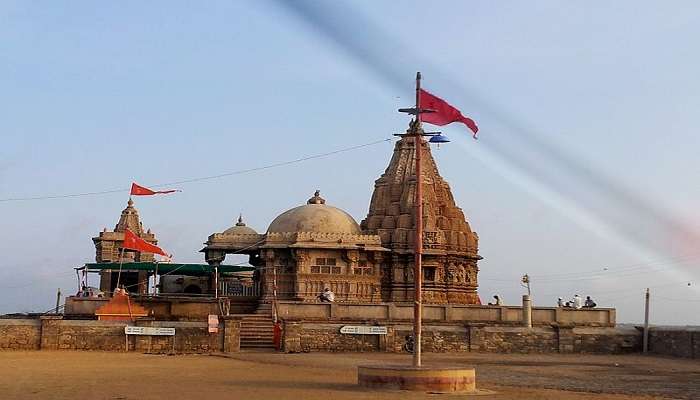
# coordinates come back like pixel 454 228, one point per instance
pixel 450 248
pixel 391 210
pixel 108 243
pixel 129 219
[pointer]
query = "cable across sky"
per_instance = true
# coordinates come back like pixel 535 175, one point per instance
pixel 201 178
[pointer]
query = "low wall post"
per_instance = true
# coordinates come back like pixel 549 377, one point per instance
pixel 291 337
pixel 50 330
pixel 232 334
pixel 386 342
pixel 527 311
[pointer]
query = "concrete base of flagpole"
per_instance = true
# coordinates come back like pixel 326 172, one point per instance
pixel 433 379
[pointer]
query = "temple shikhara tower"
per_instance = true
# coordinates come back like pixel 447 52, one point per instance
pixel 450 252
pixel 108 249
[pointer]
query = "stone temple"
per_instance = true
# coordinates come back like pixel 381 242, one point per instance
pixel 316 246
pixel 272 302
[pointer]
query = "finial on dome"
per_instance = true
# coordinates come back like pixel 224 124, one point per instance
pixel 317 199
pixel 240 220
pixel 130 203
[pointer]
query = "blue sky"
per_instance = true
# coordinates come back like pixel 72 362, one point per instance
pixel 585 175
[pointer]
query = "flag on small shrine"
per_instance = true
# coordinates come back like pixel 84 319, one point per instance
pixel 444 113
pixel 133 242
pixel 137 190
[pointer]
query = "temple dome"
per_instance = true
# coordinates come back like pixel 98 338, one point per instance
pixel 315 216
pixel 240 228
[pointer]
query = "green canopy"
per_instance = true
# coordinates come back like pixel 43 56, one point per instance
pixel 168 268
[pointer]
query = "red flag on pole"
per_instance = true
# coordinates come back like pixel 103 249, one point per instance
pixel 133 242
pixel 137 190
pixel 444 113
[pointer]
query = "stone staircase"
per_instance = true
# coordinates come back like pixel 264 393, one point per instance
pixel 257 329
pixel 264 308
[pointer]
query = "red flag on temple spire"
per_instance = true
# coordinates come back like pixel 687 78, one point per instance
pixel 133 242
pixel 443 112
pixel 137 190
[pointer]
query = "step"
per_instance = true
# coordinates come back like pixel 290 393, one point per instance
pixel 266 337
pixel 247 342
pixel 257 330
pixel 259 343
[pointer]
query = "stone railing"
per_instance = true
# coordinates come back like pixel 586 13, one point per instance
pixel 445 313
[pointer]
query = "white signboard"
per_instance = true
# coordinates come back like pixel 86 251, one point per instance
pixel 147 330
pixel 213 322
pixel 363 330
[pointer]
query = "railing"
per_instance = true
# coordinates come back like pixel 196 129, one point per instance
pixel 236 289
pixel 445 313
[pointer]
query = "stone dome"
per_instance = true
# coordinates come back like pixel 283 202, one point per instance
pixel 240 228
pixel 315 216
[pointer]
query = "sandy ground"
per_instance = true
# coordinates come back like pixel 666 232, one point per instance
pixel 97 375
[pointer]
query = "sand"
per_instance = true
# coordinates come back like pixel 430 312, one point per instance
pixel 97 375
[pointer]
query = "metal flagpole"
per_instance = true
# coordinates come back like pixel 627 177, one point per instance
pixel 418 240
pixel 416 130
pixel 274 294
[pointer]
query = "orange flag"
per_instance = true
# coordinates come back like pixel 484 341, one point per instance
pixel 138 190
pixel 133 242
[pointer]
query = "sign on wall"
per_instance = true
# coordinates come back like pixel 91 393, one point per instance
pixel 213 323
pixel 363 330
pixel 148 330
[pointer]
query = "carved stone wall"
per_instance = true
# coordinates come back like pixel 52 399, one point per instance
pixel 450 247
pixel 302 274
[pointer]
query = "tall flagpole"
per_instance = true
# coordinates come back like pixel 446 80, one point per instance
pixel 418 240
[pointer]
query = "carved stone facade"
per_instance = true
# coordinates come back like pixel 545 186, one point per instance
pixel 450 252
pixel 305 250
pixel 314 246
pixel 108 250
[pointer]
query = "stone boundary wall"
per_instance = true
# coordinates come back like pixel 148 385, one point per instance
pixel 676 342
pixel 20 334
pixel 450 338
pixel 55 333
pixel 445 313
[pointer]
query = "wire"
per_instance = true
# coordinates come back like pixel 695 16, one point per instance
pixel 616 272
pixel 681 300
pixel 34 280
pixel 201 178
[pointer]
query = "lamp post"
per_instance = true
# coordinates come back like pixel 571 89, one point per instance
pixel 416 131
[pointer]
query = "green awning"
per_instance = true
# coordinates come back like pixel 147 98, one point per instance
pixel 168 268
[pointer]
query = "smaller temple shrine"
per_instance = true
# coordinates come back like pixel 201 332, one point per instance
pixel 108 250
